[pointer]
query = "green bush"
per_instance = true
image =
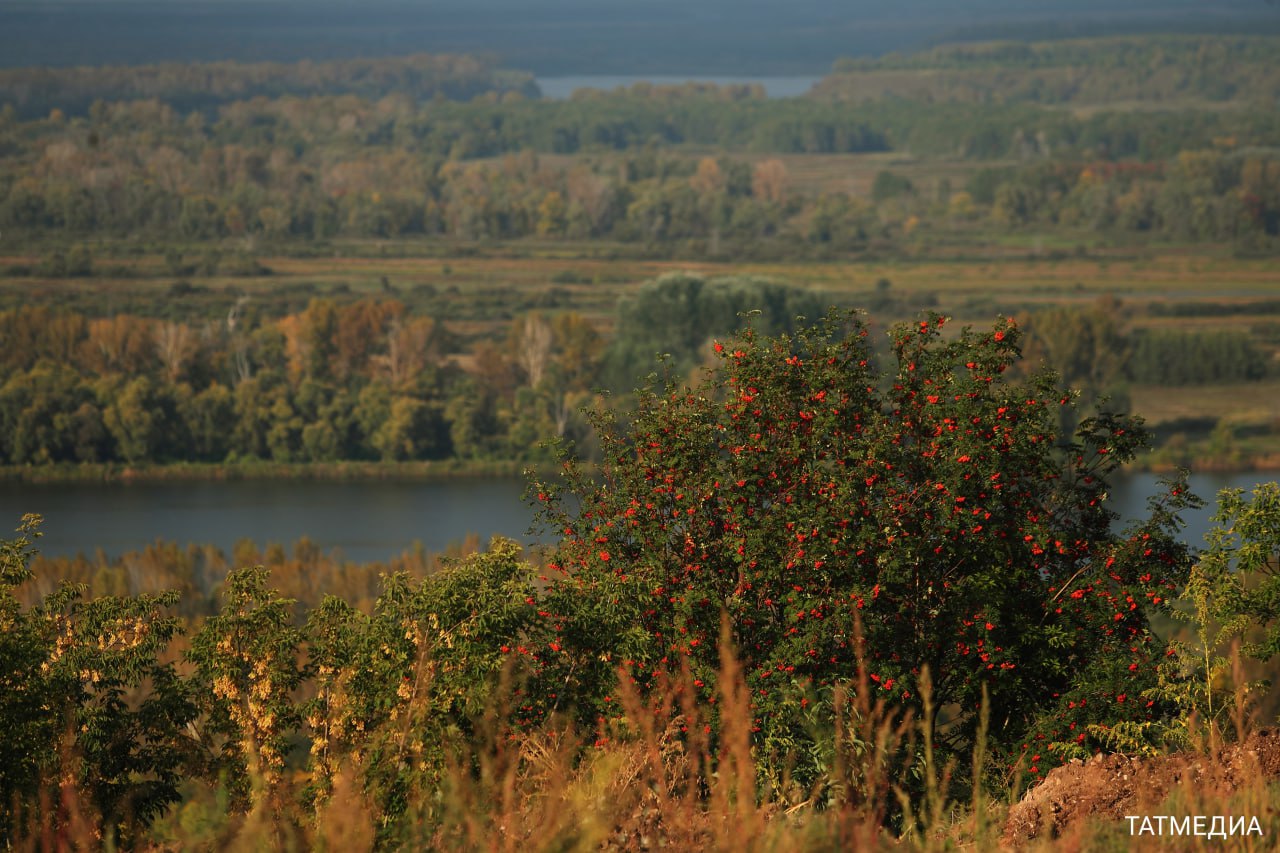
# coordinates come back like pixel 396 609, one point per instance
pixel 85 702
pixel 678 313
pixel 1233 598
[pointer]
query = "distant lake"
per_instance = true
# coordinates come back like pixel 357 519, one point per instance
pixel 366 521
pixel 559 88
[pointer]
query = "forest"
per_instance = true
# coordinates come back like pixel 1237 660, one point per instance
pixel 820 402
pixel 1082 72
pixel 316 168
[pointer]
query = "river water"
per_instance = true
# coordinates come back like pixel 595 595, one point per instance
pixel 367 520
pixel 559 88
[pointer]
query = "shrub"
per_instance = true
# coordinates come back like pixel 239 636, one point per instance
pixel 399 690
pixel 1233 594
pixel 85 703
pixel 804 488
pixel 889 185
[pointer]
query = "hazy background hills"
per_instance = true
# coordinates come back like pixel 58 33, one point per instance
pixel 577 36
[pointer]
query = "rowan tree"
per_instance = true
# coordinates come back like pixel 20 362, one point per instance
pixel 925 507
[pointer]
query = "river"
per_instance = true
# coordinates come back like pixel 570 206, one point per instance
pixel 559 88
pixel 365 520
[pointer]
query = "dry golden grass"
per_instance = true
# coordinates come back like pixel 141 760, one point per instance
pixel 1243 403
pixel 654 778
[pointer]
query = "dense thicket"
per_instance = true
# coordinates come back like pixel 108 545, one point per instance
pixel 1098 350
pixel 235 379
pixel 277 153
pixel 1222 52
pixel 678 314
pixel 358 381
pixel 1194 358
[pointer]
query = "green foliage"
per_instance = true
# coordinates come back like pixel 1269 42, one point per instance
pixel 890 185
pixel 909 525
pixel 1087 348
pixel 1195 358
pixel 677 315
pixel 394 692
pixel 1240 569
pixel 1065 71
pixel 353 382
pixel 276 169
pixel 399 690
pixel 1233 598
pixel 29 731
pixel 203 86
pixel 247 663
pixel 842 569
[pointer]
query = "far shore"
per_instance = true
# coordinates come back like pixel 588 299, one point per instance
pixel 450 469
pixel 261 470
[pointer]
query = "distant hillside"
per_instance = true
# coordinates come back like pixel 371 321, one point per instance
pixel 1156 69
pixel 35 91
pixel 558 37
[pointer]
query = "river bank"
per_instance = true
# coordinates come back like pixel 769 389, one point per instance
pixel 1155 462
pixel 348 471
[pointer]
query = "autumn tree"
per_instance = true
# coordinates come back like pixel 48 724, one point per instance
pixel 1088 348
pixel 360 333
pixel 174 345
pixel 119 344
pixel 412 343
pixel 318 339
pixel 532 341
pixel 678 313
pixel 769 181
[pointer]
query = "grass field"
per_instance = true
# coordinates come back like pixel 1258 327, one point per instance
pixel 1242 404
pixel 1021 271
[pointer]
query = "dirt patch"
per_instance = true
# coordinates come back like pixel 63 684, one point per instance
pixel 1112 786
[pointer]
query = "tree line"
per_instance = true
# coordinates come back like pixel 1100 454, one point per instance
pixel 360 380
pixel 185 87
pixel 1213 194
pixel 370 379
pixel 146 169
pixel 1100 351
pixel 1155 69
